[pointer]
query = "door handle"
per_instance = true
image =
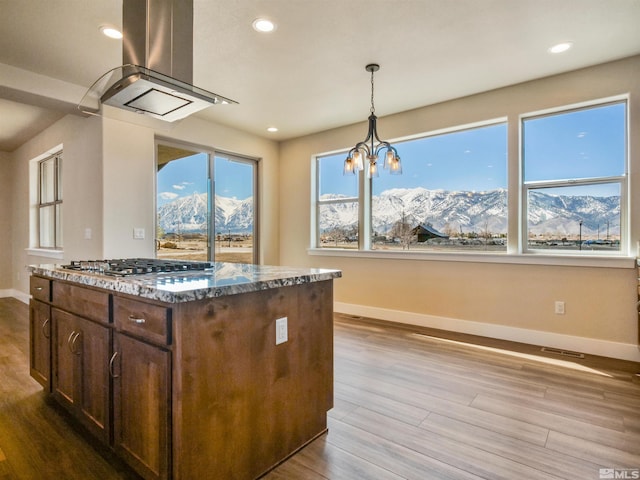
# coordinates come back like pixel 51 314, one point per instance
pixel 111 363
pixel 45 331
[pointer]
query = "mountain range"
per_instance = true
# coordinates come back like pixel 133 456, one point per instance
pixel 189 214
pixel 452 212
pixel 447 211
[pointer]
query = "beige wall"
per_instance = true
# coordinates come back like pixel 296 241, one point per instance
pixel 502 300
pixel 5 221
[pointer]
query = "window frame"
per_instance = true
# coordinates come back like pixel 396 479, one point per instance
pixel 56 203
pixel 517 249
pixel 528 186
pixel 365 192
pixel 212 154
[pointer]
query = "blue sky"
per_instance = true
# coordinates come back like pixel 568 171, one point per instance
pixel 581 144
pixel 184 177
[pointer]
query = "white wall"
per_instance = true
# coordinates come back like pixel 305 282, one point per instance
pixel 495 299
pixel 82 203
pixel 129 176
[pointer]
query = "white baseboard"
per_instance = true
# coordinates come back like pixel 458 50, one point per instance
pixel 592 346
pixel 23 297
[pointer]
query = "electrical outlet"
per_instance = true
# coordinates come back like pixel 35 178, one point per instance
pixel 88 233
pixel 138 233
pixel 281 330
pixel 559 308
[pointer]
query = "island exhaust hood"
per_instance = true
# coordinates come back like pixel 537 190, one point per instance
pixel 157 71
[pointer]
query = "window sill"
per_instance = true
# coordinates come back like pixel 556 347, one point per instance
pixel 45 253
pixel 519 259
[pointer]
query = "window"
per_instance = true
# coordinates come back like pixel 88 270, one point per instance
pixel 205 205
pixel 49 206
pixel 572 195
pixel 451 196
pixel 338 204
pixel 574 179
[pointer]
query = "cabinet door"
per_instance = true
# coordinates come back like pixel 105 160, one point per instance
pixel 142 406
pixel 92 351
pixel 81 370
pixel 40 343
pixel 63 358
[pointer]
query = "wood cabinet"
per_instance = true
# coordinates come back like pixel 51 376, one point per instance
pixel 80 363
pixel 40 343
pixel 195 389
pixel 141 370
pixel 40 331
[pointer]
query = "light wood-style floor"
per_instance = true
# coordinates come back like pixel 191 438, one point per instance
pixel 409 404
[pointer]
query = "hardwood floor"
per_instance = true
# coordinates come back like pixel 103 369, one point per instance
pixel 409 404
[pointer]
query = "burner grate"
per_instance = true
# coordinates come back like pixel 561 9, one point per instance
pixel 136 266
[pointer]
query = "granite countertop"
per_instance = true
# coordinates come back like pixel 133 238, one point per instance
pixel 223 279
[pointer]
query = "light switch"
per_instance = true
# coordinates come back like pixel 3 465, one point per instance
pixel 138 233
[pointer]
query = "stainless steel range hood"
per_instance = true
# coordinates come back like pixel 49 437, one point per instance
pixel 157 71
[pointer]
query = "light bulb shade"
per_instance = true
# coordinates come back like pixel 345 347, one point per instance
pixel 373 169
pixel 357 159
pixel 388 158
pixel 395 166
pixel 349 166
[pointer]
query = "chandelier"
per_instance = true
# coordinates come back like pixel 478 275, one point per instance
pixel 369 148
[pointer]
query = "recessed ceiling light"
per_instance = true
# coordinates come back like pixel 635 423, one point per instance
pixel 263 25
pixel 110 31
pixel 272 129
pixel 560 47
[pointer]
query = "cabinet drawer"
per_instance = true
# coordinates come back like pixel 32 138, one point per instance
pixel 82 301
pixel 148 321
pixel 40 288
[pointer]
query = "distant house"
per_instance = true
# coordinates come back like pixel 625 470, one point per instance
pixel 425 232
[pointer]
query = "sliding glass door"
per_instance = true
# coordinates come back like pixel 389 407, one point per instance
pixel 205 205
pixel 235 209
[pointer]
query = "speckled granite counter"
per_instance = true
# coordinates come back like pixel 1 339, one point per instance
pixel 223 279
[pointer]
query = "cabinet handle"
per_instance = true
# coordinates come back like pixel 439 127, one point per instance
pixel 38 289
pixel 71 342
pixel 111 362
pixel 45 332
pixel 137 320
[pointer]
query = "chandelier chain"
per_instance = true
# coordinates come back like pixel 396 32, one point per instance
pixel 373 109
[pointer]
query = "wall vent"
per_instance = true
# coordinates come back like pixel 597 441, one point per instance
pixel 566 353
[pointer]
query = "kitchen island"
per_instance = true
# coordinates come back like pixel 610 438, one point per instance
pixel 222 373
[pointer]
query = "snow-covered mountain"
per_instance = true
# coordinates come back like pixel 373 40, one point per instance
pixel 189 214
pixel 448 212
pixel 455 211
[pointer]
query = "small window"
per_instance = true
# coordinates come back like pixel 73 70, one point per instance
pixel 50 202
pixel 574 165
pixel 337 204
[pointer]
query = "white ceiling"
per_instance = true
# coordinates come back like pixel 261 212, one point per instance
pixel 309 74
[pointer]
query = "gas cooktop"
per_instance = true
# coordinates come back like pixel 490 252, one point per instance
pixel 136 266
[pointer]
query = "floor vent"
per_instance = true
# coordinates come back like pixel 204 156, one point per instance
pixel 566 353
